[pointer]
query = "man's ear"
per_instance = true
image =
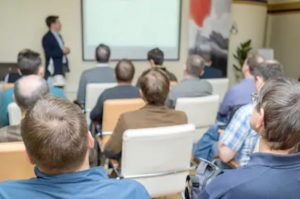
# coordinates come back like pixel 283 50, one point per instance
pixel 19 71
pixel 91 141
pixel 109 59
pixel 152 62
pixel 28 158
pixel 141 94
pixel 202 73
pixel 14 97
pixel 184 67
pixel 260 121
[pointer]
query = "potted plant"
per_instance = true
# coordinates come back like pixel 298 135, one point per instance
pixel 241 55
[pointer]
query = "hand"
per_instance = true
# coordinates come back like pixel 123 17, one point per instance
pixel 220 131
pixel 66 50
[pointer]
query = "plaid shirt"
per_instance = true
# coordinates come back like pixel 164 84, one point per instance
pixel 10 134
pixel 239 136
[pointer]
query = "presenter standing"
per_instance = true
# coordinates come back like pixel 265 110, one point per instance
pixel 55 52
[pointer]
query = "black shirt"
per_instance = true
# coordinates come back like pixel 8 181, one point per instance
pixel 118 92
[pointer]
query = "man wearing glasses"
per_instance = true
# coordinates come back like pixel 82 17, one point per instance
pixel 239 139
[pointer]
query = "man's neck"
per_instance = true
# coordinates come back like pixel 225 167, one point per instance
pixel 264 148
pixel 53 30
pixel 248 76
pixel 157 66
pixel 124 83
pixel 186 76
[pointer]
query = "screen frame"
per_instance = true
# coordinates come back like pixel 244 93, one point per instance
pixel 140 60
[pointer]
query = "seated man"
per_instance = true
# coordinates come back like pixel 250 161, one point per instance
pixel 102 73
pixel 191 86
pixel 209 72
pixel 238 140
pixel 156 59
pixel 57 141
pixel 124 73
pixel 155 86
pixel 28 90
pixel 29 63
pixel 239 94
pixel 274 171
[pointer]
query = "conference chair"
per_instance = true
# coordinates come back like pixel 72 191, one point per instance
pixel 8 85
pixel 200 111
pixel 158 158
pixel 14 114
pixel 220 87
pixel 112 110
pixel 93 91
pixel 14 165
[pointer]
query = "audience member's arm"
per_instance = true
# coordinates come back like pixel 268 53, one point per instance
pixel 234 135
pixel 114 144
pixel 225 105
pixel 81 89
pixel 49 51
pixel 97 112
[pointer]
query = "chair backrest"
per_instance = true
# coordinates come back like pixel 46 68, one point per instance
pixel 158 150
pixel 200 111
pixel 220 87
pixel 14 114
pixel 8 85
pixel 93 91
pixel 14 164
pixel 116 107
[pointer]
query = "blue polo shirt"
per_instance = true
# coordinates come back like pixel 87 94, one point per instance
pixel 88 184
pixel 266 176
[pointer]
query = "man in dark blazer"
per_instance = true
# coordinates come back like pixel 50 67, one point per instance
pixel 209 72
pixel 55 51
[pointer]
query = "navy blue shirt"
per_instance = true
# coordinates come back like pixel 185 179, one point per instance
pixel 118 92
pixel 266 176
pixel 211 73
pixel 88 184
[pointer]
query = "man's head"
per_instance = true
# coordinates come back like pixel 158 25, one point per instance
pixel 250 63
pixel 194 66
pixel 155 86
pixel 156 57
pixel 53 23
pixel 22 52
pixel 265 71
pixel 124 71
pixel 56 136
pixel 30 63
pixel 28 90
pixel 102 53
pixel 207 58
pixel 276 115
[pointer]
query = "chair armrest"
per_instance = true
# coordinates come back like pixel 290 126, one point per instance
pixel 232 163
pixel 107 133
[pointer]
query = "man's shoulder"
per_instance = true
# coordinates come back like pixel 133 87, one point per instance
pixel 47 34
pixel 246 110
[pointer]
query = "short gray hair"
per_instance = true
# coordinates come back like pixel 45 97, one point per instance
pixel 195 65
pixel 270 69
pixel 28 90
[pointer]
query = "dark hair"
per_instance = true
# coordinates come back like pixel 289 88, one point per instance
pixel 50 20
pixel 22 52
pixel 269 70
pixel 195 65
pixel 155 85
pixel 124 71
pixel 206 56
pixel 253 60
pixel 280 100
pixel 29 63
pixel 102 53
pixel 157 56
pixel 27 97
pixel 55 134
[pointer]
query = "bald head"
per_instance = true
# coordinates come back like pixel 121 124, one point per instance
pixel 28 90
pixel 195 65
pixel 124 71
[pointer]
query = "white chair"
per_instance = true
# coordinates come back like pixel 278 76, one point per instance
pixel 93 91
pixel 14 114
pixel 220 87
pixel 158 158
pixel 200 111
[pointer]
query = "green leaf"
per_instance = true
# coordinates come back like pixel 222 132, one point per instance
pixel 237 68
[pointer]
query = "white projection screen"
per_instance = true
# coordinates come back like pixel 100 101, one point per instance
pixel 131 27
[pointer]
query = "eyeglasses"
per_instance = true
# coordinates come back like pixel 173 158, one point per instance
pixel 254 97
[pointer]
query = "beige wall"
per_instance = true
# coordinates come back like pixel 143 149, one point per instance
pixel 251 24
pixel 22 24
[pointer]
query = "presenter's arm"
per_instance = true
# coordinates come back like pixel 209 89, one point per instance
pixel 49 51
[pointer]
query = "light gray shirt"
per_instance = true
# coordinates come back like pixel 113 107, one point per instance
pixel 102 73
pixel 193 87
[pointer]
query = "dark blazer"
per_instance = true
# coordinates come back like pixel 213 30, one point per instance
pixel 53 50
pixel 211 73
pixel 149 116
